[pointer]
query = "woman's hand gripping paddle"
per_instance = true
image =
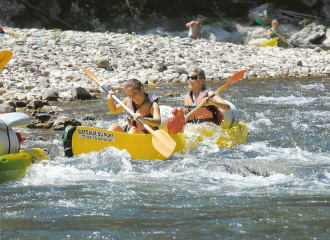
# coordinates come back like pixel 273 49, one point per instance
pixel 176 121
pixel 5 56
pixel 282 39
pixel 161 141
pixel 237 76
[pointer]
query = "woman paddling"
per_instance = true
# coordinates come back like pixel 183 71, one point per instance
pixel 210 111
pixel 144 107
pixel 271 33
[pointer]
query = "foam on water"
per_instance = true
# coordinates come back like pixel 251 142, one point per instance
pixel 277 185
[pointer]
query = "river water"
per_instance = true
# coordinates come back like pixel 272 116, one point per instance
pixel 276 186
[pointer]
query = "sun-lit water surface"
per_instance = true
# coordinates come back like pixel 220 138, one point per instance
pixel 276 186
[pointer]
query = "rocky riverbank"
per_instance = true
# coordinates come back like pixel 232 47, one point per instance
pixel 43 67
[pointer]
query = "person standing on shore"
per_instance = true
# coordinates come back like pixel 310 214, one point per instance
pixel 195 28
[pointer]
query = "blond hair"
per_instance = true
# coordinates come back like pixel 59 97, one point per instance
pixel 274 20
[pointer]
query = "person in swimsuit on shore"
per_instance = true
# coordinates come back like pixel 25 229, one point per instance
pixel 195 28
pixel 144 107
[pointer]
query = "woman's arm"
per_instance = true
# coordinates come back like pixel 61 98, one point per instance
pixel 269 32
pixel 115 108
pixel 217 101
pixel 155 112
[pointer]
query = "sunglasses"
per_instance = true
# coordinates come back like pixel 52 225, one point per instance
pixel 274 23
pixel 193 77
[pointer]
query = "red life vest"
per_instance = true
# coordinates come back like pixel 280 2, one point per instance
pixel 144 110
pixel 203 114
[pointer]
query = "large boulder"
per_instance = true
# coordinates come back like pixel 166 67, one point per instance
pixel 62 122
pixel 325 10
pixel 309 3
pixel 325 40
pixel 266 13
pixel 8 10
pixel 312 33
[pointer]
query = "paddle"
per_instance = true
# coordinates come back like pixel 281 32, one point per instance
pixel 5 56
pixel 237 76
pixel 261 22
pixel 161 141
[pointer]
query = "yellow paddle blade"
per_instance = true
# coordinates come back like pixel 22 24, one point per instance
pixel 90 74
pixel 162 142
pixel 5 57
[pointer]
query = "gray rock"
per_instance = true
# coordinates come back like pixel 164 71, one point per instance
pixel 8 106
pixel 35 104
pixel 81 93
pixel 312 33
pixel 309 3
pixel 62 122
pixel 266 13
pixel 50 95
pixel 101 61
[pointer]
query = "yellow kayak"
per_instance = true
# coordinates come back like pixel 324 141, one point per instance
pixel 83 139
pixel 274 42
pixel 14 165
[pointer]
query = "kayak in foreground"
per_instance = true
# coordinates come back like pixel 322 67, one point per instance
pixel 13 161
pixel 14 165
pixel 83 139
pixel 274 42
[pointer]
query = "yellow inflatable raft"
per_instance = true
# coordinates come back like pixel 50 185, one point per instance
pixel 83 139
pixel 14 165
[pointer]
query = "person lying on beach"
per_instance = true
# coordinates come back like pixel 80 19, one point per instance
pixel 271 33
pixel 144 107
pixel 195 28
pixel 1 30
pixel 210 111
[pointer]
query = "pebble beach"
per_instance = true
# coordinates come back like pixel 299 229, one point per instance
pixel 47 60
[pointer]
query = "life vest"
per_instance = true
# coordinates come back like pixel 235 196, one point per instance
pixel 273 35
pixel 203 114
pixel 144 110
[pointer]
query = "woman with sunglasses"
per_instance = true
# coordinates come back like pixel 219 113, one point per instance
pixel 210 111
pixel 271 32
pixel 144 107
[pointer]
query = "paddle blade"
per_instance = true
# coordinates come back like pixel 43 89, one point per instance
pixel 91 75
pixel 261 22
pixel 162 142
pixel 5 57
pixel 237 76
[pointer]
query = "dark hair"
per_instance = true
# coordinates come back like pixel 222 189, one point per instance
pixel 201 74
pixel 133 83
pixel 199 16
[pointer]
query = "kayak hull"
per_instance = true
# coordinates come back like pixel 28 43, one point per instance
pixel 83 139
pixel 275 42
pixel 14 165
